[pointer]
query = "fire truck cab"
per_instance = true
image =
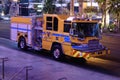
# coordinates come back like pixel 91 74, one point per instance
pixel 72 36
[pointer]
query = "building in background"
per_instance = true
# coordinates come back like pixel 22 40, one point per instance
pixel 25 7
pixel 1 7
pixel 29 7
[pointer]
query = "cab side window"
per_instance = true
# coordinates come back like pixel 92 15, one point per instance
pixel 55 27
pixel 67 26
pixel 49 23
pixel 52 23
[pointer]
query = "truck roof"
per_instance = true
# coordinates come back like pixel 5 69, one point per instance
pixel 71 18
pixel 60 16
pixel 24 19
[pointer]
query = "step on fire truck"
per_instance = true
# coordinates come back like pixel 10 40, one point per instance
pixel 59 34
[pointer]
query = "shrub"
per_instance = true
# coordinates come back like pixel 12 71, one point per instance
pixel 111 27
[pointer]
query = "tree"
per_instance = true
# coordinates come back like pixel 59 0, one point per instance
pixel 90 11
pixel 80 6
pixel 49 6
pixel 103 4
pixel 61 2
pixel 68 6
pixel 114 8
pixel 6 8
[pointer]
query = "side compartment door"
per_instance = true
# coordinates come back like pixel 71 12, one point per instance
pixel 37 32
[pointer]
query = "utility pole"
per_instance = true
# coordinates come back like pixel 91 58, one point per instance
pixel 80 7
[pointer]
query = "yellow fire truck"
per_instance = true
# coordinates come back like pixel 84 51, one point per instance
pixel 60 34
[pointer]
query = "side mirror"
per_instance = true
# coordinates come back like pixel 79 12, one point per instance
pixel 71 32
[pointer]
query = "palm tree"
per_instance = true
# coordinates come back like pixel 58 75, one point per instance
pixel 114 8
pixel 90 11
pixel 102 5
pixel 61 2
pixel 80 6
pixel 49 6
pixel 6 6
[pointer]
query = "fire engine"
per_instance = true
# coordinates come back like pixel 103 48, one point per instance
pixel 60 34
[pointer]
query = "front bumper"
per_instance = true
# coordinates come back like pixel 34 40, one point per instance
pixel 100 53
pixel 87 53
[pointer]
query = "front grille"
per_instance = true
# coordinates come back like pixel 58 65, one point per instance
pixel 94 44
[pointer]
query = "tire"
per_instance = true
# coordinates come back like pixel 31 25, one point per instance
pixel 57 52
pixel 83 60
pixel 22 44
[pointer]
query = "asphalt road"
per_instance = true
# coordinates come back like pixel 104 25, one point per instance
pixel 5 29
pixel 111 41
pixel 45 68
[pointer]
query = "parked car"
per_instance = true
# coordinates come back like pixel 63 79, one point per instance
pixel 7 18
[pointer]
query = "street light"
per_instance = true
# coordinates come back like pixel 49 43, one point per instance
pixel 2 14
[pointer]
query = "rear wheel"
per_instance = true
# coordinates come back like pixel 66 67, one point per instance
pixel 22 44
pixel 57 52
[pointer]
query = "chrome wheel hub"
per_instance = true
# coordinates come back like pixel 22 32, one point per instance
pixel 56 53
pixel 22 44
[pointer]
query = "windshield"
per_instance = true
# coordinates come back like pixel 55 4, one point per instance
pixel 86 29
